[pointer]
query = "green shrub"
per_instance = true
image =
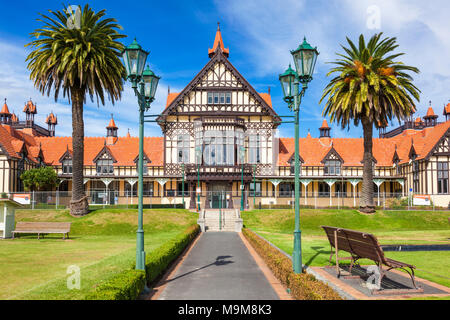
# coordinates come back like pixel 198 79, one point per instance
pixel 159 259
pixel 128 284
pixel 135 206
pixel 302 286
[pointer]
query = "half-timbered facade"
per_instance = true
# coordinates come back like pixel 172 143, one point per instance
pixel 219 136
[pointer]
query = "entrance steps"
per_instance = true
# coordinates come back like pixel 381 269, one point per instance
pixel 226 220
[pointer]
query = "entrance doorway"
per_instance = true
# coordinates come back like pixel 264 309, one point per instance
pixel 218 194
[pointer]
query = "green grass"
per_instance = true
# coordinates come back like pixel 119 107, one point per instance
pixel 399 227
pixel 102 244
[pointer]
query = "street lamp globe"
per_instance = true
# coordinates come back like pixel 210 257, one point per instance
pixel 287 80
pixel 305 58
pixel 134 58
pixel 151 83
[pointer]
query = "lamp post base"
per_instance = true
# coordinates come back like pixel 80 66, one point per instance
pixel 297 254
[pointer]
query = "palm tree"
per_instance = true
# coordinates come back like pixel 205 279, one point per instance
pixel 80 54
pixel 371 88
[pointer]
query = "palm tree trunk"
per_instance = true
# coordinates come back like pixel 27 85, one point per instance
pixel 367 205
pixel 79 205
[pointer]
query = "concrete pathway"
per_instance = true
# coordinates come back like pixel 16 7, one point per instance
pixel 218 267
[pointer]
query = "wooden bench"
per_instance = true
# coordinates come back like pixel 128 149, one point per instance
pixel 362 245
pixel 42 228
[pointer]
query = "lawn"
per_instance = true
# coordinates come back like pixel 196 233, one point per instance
pixel 102 244
pixel 399 227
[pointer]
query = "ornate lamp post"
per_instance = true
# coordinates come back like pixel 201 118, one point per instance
pixel 144 83
pixel 305 58
pixel 198 157
pixel 242 159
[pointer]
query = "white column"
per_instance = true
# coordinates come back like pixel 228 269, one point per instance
pixel 306 182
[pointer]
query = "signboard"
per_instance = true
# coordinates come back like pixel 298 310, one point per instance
pixel 421 200
pixel 22 198
pixel 199 190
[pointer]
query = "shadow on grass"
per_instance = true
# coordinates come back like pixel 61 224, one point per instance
pixel 318 252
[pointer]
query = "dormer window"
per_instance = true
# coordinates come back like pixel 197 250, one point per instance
pixel 292 167
pixel 105 167
pixel 67 166
pixel 145 169
pixel 145 161
pixel 219 97
pixel 332 168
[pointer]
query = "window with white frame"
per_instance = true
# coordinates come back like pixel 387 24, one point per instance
pixel 254 149
pixel 218 146
pixel 105 167
pixel 183 143
pixel 219 97
pixel 332 168
pixel 67 166
pixel 442 177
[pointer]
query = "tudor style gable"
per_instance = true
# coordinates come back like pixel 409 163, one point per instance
pixel 442 148
pixel 219 87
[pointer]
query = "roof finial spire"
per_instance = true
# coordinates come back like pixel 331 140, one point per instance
pixel 218 44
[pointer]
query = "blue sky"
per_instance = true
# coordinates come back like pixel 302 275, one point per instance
pixel 259 33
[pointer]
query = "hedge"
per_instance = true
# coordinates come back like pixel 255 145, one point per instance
pixel 302 286
pixel 128 284
pixel 135 206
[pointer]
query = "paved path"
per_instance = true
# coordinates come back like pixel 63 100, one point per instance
pixel 219 267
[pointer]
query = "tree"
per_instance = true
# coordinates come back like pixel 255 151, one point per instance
pixel 370 88
pixel 40 179
pixel 77 52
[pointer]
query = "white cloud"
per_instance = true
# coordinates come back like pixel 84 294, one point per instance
pixel 269 29
pixel 16 86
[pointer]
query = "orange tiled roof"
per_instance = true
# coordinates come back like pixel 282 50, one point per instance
pixel 430 112
pixel 5 109
pixel 171 97
pixel 313 150
pixel 447 109
pixel 14 118
pixel 324 124
pixel 51 119
pixel 112 124
pixel 124 150
pixel 30 107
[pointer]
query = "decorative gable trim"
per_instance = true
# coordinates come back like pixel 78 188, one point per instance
pixel 145 158
pixel 412 152
pixel 66 155
pixel 218 57
pixel 292 158
pixel 332 155
pixel 105 152
pixel 395 157
pixel 435 149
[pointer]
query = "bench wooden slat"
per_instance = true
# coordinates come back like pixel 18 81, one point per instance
pixel 361 245
pixel 42 228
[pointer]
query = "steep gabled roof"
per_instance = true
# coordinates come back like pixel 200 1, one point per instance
pixel 330 153
pixel 107 151
pixel 219 57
